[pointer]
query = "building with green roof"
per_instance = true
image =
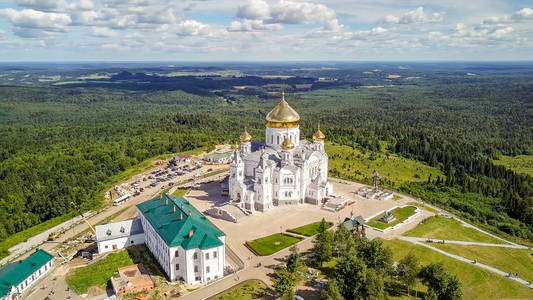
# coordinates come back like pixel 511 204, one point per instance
pixel 185 243
pixel 17 277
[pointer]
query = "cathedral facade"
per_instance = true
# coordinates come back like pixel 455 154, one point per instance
pixel 282 171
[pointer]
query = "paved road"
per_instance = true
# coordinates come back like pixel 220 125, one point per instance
pixel 489 268
pixel 467 243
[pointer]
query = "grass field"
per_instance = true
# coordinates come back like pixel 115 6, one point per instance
pixel 424 207
pixel 180 192
pixel 215 173
pixel 273 243
pixel 439 227
pixel 505 259
pixel 401 213
pixel 520 164
pixel 477 283
pixel 352 164
pixel 309 229
pixel 99 273
pixel 248 290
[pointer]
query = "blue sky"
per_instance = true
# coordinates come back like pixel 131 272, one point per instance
pixel 265 30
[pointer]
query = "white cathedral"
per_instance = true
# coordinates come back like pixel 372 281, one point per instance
pixel 282 171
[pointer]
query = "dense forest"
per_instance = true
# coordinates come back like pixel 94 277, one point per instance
pixel 62 144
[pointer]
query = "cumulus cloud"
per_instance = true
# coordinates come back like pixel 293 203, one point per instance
pixel 44 5
pixel 290 12
pixel 32 23
pixel 253 25
pixel 417 16
pixel 103 32
pixel 192 28
pixel 523 15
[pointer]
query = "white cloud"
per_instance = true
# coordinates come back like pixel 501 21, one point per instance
pixel 523 15
pixel 32 23
pixel 103 32
pixel 417 16
pixel 290 12
pixel 192 28
pixel 253 25
pixel 254 10
pixel 45 5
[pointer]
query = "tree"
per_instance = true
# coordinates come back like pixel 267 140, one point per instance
pixel 444 285
pixel 331 291
pixel 294 262
pixel 350 275
pixel 285 283
pixel 342 240
pixel 374 287
pixel 407 271
pixel 323 246
pixel 375 255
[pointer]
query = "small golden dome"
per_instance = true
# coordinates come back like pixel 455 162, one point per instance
pixel 319 135
pixel 245 137
pixel 283 115
pixel 287 144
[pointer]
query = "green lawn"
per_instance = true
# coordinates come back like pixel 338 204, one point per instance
pixel 439 227
pixel 99 273
pixel 309 229
pixel 214 173
pixel 505 259
pixel 272 243
pixel 401 213
pixel 424 207
pixel 353 164
pixel 477 283
pixel 520 164
pixel 248 290
pixel 180 192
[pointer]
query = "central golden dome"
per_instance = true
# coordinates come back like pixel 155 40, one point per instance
pixel 283 115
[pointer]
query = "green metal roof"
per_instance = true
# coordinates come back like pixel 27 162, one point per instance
pixel 175 231
pixel 14 273
pixel 350 224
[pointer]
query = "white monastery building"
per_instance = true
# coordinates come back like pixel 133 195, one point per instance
pixel 284 170
pixel 19 276
pixel 184 242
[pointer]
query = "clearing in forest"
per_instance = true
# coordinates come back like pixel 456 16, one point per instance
pixel 440 227
pixel 477 283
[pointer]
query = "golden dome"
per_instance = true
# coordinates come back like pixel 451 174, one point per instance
pixel 245 137
pixel 319 135
pixel 283 115
pixel 287 144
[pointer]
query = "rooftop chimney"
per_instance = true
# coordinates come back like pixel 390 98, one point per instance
pixel 191 233
pixel 174 209
pixel 181 216
pixel 182 207
pixel 166 201
pixel 189 214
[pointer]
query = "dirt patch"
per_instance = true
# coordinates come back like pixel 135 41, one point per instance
pixel 95 291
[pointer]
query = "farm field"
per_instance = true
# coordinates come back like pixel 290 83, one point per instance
pixel 400 213
pixel 273 243
pixel 506 259
pixel 439 227
pixel 477 283
pixel 309 229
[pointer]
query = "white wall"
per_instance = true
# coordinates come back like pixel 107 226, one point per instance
pixel 123 242
pixel 275 136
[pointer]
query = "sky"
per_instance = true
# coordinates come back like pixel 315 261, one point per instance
pixel 266 30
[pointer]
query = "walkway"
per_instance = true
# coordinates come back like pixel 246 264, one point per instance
pixel 466 243
pixel 489 268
